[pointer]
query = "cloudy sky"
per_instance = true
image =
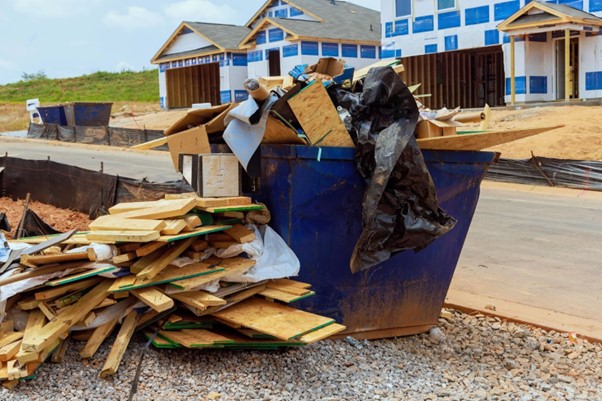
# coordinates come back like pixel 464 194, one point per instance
pixel 66 38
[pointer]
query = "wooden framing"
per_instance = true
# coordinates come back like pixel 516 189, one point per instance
pixel 561 18
pixel 567 65
pixel 466 78
pixel 512 70
pixel 193 84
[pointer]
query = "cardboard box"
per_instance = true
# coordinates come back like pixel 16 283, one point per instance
pixel 212 175
pixel 328 66
pixel 435 128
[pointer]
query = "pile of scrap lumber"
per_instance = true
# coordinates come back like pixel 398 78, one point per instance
pixel 148 267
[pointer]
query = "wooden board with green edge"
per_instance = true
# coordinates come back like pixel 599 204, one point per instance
pixel 278 320
pixel 84 275
pixel 171 326
pixel 229 266
pixel 78 238
pixel 266 342
pixel 195 233
pixel 282 296
pixel 234 208
pixel 322 333
pixel 171 274
pixel 198 338
pixel 159 342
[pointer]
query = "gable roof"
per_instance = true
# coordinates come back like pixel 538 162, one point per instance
pixel 221 36
pixel 341 21
pixel 536 14
pixel 289 2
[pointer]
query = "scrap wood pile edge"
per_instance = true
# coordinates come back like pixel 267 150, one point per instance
pixel 150 267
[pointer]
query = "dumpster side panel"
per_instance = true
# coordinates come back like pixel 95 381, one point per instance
pixel 316 208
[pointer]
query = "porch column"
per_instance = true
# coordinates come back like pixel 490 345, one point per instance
pixel 512 72
pixel 567 64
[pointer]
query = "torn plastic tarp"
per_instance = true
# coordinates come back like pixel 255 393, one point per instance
pixel 242 134
pixel 400 207
pixel 34 225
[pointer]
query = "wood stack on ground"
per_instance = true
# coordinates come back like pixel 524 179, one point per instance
pixel 157 279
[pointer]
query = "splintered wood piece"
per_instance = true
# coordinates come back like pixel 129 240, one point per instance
pixel 149 248
pixel 59 354
pixel 120 345
pixel 9 350
pixel 117 223
pixel 286 297
pixel 291 289
pixel 322 333
pixel 64 289
pixel 163 209
pixel 87 321
pixel 199 245
pixel 73 314
pixel 35 322
pixel 195 338
pixel 194 233
pixel 153 298
pixel 106 302
pixel 124 257
pixel 10 384
pixel 7 326
pixel 174 226
pixel 98 336
pixel 227 267
pixel 319 118
pixel 165 259
pixel 123 236
pixel 121 294
pixel 47 311
pixel 100 269
pixel 192 221
pixel 11 338
pixel 168 275
pixel 89 254
pixel 198 299
pixel 479 141
pixel 274 319
pixel 241 234
pixel 28 304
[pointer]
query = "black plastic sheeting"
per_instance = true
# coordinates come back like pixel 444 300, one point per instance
pixel 99 135
pixel 4 223
pixel 400 207
pixel 75 188
pixel 34 225
pixel 577 174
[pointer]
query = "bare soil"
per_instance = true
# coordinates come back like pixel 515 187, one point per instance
pixel 60 219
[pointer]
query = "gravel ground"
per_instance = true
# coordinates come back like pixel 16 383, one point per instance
pixel 465 358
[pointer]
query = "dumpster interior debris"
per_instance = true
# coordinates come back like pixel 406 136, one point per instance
pixel 186 271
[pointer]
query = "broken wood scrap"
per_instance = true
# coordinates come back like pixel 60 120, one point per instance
pixel 240 234
pixel 120 345
pixel 34 261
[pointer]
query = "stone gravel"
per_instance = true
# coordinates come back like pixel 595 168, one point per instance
pixel 464 358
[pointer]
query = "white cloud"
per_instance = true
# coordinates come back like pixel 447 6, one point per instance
pixel 54 8
pixel 7 65
pixel 135 17
pixel 201 10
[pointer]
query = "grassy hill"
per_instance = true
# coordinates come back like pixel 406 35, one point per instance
pixel 100 86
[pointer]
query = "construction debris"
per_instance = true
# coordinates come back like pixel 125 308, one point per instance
pixel 181 271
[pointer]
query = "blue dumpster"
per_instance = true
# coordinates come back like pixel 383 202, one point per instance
pixel 88 114
pixel 316 207
pixel 54 114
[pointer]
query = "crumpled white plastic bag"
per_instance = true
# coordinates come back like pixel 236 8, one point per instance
pixel 103 252
pixel 273 258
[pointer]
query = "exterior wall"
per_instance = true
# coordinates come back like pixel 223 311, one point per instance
pixel 186 42
pixel 473 24
pixel 280 9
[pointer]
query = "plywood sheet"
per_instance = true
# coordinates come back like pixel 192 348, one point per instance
pixel 194 141
pixel 319 118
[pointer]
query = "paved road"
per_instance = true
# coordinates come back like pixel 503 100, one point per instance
pixel 534 253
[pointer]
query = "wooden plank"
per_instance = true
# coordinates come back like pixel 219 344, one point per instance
pixel 103 268
pixel 322 333
pixel 10 338
pixel 274 319
pixel 35 322
pixel 73 314
pixel 7 351
pixel 319 118
pixel 166 258
pixel 295 283
pixel 199 245
pixel 212 202
pixel 153 298
pixel 59 354
pixel 161 209
pixel 64 289
pixel 61 258
pixel 120 345
pixel 131 206
pixel 169 275
pixel 46 310
pixel 118 223
pixel 290 289
pixel 146 261
pixel 150 144
pixel 124 257
pixel 240 234
pixel 195 338
pixel 194 233
pixel 198 299
pixel 126 248
pixel 192 221
pixel 223 244
pixel 231 208
pixel 282 296
pixel 174 226
pixel 35 273
pixel 479 141
pixel 123 236
pixel 149 248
